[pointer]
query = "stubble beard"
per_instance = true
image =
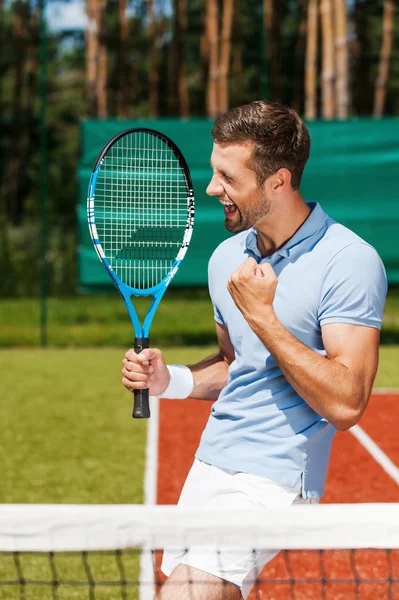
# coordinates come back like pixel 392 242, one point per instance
pixel 248 218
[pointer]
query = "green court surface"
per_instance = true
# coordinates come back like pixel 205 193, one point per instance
pixel 70 567
pixel 67 433
pixel 68 437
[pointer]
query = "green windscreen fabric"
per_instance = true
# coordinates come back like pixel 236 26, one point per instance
pixel 352 171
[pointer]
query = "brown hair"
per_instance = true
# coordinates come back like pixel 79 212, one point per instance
pixel 280 136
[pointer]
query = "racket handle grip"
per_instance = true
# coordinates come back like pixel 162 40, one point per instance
pixel 141 408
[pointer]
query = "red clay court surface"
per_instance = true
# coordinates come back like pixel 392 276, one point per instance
pixel 354 476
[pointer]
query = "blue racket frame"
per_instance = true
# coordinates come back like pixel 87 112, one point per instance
pixel 126 291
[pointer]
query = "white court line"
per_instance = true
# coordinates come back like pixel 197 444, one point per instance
pixel 386 391
pixel 379 456
pixel 146 591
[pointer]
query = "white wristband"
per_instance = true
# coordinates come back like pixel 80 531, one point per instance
pixel 181 383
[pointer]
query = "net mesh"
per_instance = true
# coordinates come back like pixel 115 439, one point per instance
pixel 97 552
pixel 141 208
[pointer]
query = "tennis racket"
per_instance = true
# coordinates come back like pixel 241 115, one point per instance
pixel 140 210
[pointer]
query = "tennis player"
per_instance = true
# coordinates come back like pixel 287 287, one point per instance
pixel 298 302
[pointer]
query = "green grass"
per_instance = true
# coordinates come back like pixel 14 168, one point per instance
pixel 181 319
pixel 388 374
pixel 390 325
pixel 184 317
pixel 68 437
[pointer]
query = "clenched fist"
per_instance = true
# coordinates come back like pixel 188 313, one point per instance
pixel 145 370
pixel 253 288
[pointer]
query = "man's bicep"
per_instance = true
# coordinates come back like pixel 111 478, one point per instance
pixel 355 347
pixel 224 341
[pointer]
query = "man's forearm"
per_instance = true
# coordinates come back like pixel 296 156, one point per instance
pixel 210 377
pixel 326 385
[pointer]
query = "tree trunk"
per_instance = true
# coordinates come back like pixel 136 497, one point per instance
pixel 311 62
pixel 101 84
pixel 212 32
pixel 225 51
pixel 273 14
pixel 1 46
pixel 153 77
pixel 12 173
pixel 361 77
pixel 204 58
pixel 32 76
pixel 328 103
pixel 204 54
pixel 300 53
pixel 385 55
pixel 91 56
pixel 341 59
pixel 238 68
pixel 180 82
pixel 268 50
pixel 123 102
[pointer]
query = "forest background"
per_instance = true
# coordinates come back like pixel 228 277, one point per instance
pixel 328 59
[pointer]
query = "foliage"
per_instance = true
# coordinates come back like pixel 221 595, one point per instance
pixel 20 258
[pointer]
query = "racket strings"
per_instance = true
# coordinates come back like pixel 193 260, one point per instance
pixel 141 209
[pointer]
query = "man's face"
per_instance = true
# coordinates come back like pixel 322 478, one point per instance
pixel 235 185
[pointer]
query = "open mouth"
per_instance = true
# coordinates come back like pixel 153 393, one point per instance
pixel 229 209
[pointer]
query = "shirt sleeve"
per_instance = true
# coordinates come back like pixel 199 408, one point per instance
pixel 212 285
pixel 354 287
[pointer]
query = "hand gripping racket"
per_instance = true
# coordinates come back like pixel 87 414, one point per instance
pixel 140 211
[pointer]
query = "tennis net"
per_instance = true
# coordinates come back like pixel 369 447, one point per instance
pixel 330 552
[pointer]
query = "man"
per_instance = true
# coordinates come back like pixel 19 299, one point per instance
pixel 298 302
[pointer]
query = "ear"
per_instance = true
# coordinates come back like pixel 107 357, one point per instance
pixel 280 180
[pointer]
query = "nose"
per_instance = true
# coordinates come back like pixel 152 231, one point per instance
pixel 215 187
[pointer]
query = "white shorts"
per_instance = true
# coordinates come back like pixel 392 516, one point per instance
pixel 209 486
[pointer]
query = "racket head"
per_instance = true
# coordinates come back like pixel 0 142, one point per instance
pixel 141 210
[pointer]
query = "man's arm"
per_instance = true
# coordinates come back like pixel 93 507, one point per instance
pixel 148 369
pixel 211 373
pixel 338 386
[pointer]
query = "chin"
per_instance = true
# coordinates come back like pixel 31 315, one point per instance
pixel 234 227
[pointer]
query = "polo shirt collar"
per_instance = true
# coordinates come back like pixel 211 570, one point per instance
pixel 315 223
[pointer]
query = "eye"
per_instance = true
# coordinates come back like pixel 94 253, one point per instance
pixel 227 178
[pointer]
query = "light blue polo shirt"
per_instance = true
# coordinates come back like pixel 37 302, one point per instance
pixel 259 424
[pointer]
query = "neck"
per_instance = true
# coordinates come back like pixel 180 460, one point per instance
pixel 281 224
